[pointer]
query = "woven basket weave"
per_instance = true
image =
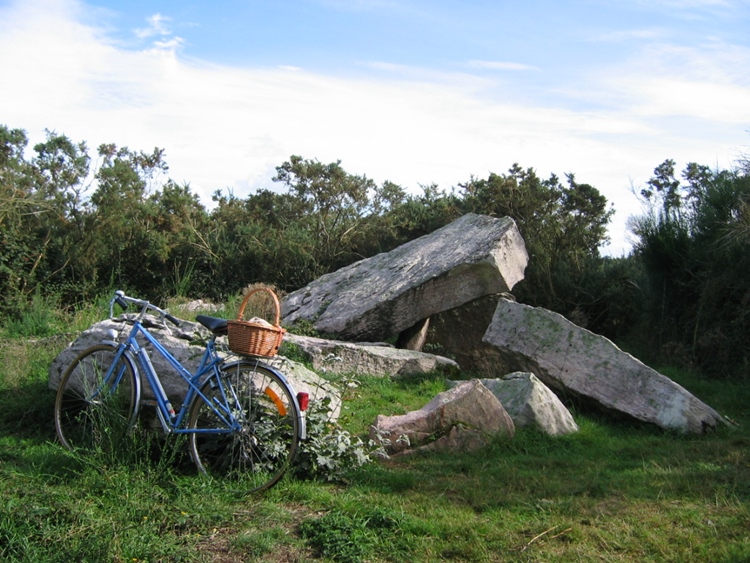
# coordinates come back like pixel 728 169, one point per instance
pixel 252 338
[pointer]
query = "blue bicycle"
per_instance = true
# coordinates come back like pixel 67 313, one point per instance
pixel 242 418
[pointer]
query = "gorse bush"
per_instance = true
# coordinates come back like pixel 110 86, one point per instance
pixel 134 228
pixel 696 257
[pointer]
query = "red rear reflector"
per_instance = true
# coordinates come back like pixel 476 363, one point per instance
pixel 304 400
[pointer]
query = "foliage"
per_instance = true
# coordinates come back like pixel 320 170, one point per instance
pixel 329 452
pixel 351 538
pixel 691 243
pixel 73 227
pixel 563 226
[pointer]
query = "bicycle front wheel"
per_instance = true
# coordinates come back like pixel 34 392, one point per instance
pixel 96 400
pixel 257 454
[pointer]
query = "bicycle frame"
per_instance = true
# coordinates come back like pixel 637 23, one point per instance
pixel 170 419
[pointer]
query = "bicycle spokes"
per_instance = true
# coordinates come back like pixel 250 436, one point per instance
pixel 264 441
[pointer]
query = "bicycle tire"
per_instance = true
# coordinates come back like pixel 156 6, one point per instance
pixel 94 412
pixel 258 455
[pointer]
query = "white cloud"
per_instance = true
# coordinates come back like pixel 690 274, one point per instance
pixel 710 83
pixel 500 65
pixel 227 127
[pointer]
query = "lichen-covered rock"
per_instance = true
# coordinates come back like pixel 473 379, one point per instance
pixel 334 356
pixel 383 295
pixel 176 340
pixel 530 403
pixel 575 361
pixel 180 343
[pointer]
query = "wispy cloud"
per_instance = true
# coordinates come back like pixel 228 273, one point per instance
pixel 500 65
pixel 708 83
pixel 157 25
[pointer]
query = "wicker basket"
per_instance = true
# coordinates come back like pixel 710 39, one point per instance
pixel 252 338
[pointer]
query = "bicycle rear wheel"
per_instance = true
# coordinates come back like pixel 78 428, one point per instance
pixel 96 401
pixel 258 454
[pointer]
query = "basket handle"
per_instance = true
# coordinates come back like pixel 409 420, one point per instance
pixel 256 290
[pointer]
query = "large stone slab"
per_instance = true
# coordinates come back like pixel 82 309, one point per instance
pixel 458 334
pixel 574 360
pixel 335 356
pixel 381 296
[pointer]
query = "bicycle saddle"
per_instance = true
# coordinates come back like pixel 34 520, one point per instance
pixel 214 324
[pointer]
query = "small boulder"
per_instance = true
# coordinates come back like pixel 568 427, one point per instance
pixel 530 403
pixel 181 343
pixel 461 419
pixel 177 340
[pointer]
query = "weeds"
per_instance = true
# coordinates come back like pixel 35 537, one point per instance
pixel 359 536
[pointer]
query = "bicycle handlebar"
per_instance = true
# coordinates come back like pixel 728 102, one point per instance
pixel 123 301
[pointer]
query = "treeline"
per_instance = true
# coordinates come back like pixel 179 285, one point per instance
pixel 73 228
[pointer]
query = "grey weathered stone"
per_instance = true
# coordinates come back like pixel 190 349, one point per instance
pixel 379 297
pixel 530 403
pixel 200 305
pixel 306 381
pixel 457 333
pixel 178 342
pixel 335 356
pixel 573 360
pixel 464 418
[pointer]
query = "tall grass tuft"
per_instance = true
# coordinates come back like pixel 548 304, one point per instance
pixel 39 317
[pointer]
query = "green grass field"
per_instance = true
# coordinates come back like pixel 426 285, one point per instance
pixel 615 491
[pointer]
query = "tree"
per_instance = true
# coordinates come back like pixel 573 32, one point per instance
pixel 332 205
pixel 18 203
pixel 690 243
pixel 563 227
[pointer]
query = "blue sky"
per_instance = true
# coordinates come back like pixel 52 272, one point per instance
pixel 411 91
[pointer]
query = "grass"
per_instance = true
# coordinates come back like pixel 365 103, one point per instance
pixel 615 491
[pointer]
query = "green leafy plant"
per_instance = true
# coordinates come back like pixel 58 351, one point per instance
pixel 351 538
pixel 329 451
